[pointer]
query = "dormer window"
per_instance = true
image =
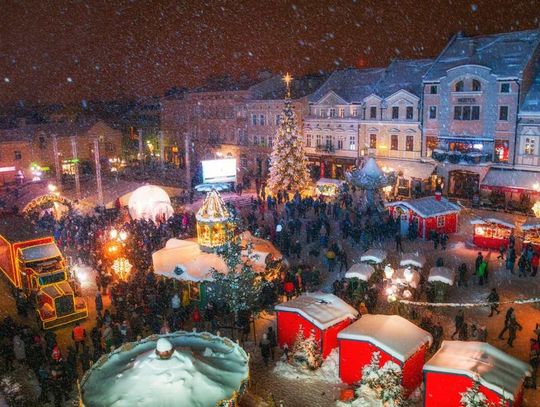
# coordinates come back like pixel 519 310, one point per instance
pixel 332 112
pixel 459 86
pixel 395 112
pixel 373 112
pixel 476 86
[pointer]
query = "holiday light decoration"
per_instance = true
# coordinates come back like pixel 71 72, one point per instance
pixel 122 267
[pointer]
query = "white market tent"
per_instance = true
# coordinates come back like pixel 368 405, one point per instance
pixel 393 334
pixel 150 202
pixel 361 271
pixel 496 221
pixel 412 259
pixel 442 274
pixel 322 310
pixel 399 277
pixel 374 255
pixel 493 368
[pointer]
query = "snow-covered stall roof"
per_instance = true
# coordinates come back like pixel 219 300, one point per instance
pixel 203 370
pixel 530 224
pixel 361 271
pixel 260 248
pixel 392 334
pixel 331 181
pixel 322 310
pixel 428 207
pixel 412 259
pixel 409 169
pixel 515 179
pixel 213 209
pixel 43 251
pixel 496 221
pixel 374 255
pixel 480 361
pixel 150 202
pixel 442 274
pixel 399 277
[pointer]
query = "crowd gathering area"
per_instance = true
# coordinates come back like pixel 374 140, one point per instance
pixel 315 287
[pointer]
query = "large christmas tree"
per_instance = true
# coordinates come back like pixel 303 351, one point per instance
pixel 288 166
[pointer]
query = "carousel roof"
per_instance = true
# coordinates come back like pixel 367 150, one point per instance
pixel 370 176
pixel 213 209
pixel 203 371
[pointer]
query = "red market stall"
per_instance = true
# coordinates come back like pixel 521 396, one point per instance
pixel 531 232
pixel 455 367
pixel 324 314
pixel 396 338
pixel 430 213
pixel 491 233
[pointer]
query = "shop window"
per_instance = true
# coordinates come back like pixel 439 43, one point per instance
pixel 530 146
pixel 440 221
pixel 352 143
pixel 373 112
pixel 459 86
pixel 476 85
pixel 395 112
pixel 433 89
pixel 409 112
pixel 503 113
pixel 505 87
pixel 394 142
pixel 372 141
pixel 433 112
pixel 308 140
pixel 18 155
pixel 409 143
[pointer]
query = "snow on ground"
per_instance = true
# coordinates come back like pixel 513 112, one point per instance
pixel 328 372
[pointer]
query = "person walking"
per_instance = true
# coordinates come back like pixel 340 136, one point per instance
pixel 493 299
pixel 462 279
pixel 99 304
pixel 513 326
pixel 459 320
pixel 271 335
pixel 399 244
pixel 444 240
pixel 507 317
pixel 78 334
pixel 482 272
pixel 478 261
pixel 265 349
pixel 522 264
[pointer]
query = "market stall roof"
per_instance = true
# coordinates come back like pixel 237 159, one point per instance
pixel 374 255
pixel 399 277
pixel 486 221
pixel 40 252
pixel 325 181
pixel 442 274
pixel 393 334
pixel 530 224
pixel 412 259
pixel 322 310
pixel 428 207
pixel 213 209
pixel 259 247
pixel 509 180
pixel 361 271
pixel 480 361
pixel 409 169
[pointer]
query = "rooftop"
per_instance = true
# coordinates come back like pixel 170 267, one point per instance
pixel 428 206
pixel 403 75
pixel 531 104
pixel 274 87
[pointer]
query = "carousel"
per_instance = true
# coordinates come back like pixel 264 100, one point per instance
pixel 184 368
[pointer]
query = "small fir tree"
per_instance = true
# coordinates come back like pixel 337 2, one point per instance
pixel 384 383
pixel 288 165
pixel 473 397
pixel 306 351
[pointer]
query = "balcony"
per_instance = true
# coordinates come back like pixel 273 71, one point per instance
pixel 325 149
pixel 462 157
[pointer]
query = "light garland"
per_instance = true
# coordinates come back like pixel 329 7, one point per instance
pixel 469 304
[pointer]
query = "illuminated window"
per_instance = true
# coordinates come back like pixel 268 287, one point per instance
pixel 394 142
pixel 355 112
pixel 530 146
pixel 409 143
pixel 372 141
pixel 440 221
pixel 341 112
pixel 352 143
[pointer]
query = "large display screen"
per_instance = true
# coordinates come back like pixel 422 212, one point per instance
pixel 219 170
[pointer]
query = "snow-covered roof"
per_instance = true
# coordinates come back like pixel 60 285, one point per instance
pixel 399 277
pixel 403 75
pixel 511 179
pixel 496 221
pixel 351 84
pixel 203 370
pixel 531 104
pixel 442 274
pixel 213 209
pixel 361 271
pixel 481 361
pixel 412 259
pixel 409 169
pixel 428 206
pixel 374 255
pixel 505 54
pixel 531 223
pixel 322 310
pixel 325 181
pixel 274 87
pixel 392 334
pixel 43 251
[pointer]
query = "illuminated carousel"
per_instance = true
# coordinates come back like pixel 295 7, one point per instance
pixel 186 369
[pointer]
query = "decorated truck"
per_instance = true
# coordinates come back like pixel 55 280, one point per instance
pixel 32 262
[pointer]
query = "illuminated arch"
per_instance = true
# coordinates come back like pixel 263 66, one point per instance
pixel 44 200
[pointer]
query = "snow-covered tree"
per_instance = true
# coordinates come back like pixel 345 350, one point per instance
pixel 288 165
pixel 473 397
pixel 306 351
pixel 383 382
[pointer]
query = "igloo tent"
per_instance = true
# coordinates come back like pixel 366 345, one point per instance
pixel 396 338
pixel 150 202
pixel 181 369
pixel 324 314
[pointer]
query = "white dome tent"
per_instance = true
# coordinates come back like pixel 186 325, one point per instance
pixel 150 202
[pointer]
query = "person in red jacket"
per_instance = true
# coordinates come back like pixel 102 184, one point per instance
pixel 79 336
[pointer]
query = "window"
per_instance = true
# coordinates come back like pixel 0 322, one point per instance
pixel 394 143
pixel 459 86
pixel 476 86
pixel 255 140
pixel 254 119
pixel 355 112
pixel 278 119
pixel 262 119
pixel 466 112
pixel 308 140
pixel 352 143
pixel 329 141
pixel 409 112
pixel 433 112
pixel 18 155
pixel 341 112
pixel 270 140
pixel 372 141
pixel 433 89
pixel 475 113
pixel 332 112
pixel 505 88
pixel 340 143
pixel 42 144
pixel 373 112
pixel 530 146
pixel 318 140
pixel 409 143
pixel 395 112
pixel 503 113
pixel 440 221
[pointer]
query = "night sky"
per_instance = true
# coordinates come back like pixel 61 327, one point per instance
pixel 62 51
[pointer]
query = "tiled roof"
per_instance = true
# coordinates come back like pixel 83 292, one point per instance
pixel 532 100
pixel 403 75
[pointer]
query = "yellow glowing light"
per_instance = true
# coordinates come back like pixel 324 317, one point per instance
pixel 287 79
pixel 536 209
pixel 388 271
pixel 122 267
pixel 536 186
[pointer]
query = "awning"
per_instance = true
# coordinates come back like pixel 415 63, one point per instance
pixel 512 181
pixel 465 139
pixel 41 252
pixel 409 169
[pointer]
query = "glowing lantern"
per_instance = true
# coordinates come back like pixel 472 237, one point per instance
pixel 122 267
pixel 536 209
pixel 388 271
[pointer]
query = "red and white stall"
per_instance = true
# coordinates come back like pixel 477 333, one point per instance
pixel 491 233
pixel 455 367
pixel 397 339
pixel 324 314
pixel 531 232
pixel 431 213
